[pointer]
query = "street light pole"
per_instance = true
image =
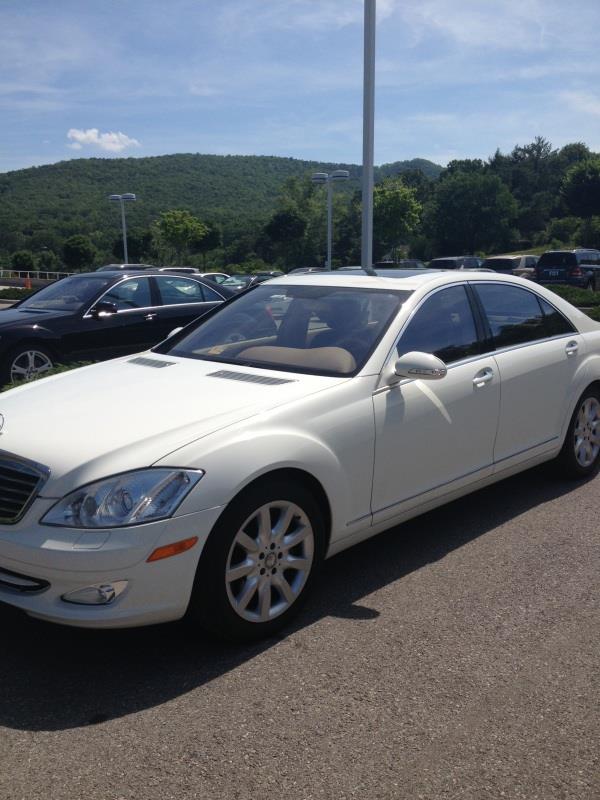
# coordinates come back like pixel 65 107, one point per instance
pixel 368 135
pixel 122 199
pixel 325 177
pixel 329 221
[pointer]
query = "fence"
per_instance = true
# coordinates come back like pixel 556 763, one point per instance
pixel 16 274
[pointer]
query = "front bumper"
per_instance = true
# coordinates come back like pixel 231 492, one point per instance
pixel 69 559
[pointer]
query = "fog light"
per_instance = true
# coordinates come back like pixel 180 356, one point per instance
pixel 100 594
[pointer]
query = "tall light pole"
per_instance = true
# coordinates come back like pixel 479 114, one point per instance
pixel 325 177
pixel 123 198
pixel 368 135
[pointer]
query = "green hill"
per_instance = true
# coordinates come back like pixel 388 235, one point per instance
pixel 41 206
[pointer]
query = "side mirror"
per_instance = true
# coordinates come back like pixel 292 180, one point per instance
pixel 103 308
pixel 174 332
pixel 422 366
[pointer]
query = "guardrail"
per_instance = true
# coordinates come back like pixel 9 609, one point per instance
pixel 32 274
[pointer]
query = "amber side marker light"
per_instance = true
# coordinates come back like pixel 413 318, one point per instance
pixel 168 550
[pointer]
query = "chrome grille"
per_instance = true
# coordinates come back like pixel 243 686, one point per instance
pixel 20 482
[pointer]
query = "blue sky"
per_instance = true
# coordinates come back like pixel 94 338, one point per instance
pixel 455 78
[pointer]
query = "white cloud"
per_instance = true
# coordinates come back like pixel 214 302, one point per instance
pixel 112 142
pixel 251 17
pixel 584 102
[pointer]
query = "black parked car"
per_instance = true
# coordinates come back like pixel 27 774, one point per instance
pixel 98 315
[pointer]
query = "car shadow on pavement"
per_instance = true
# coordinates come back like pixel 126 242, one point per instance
pixel 55 678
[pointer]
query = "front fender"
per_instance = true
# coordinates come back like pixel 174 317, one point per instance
pixel 235 461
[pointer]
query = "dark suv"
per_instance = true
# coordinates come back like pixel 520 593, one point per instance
pixel 579 267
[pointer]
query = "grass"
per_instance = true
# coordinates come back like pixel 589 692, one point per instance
pixel 581 298
pixel 594 313
pixel 15 293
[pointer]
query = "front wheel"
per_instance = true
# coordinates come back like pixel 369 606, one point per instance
pixel 259 562
pixel 580 454
pixel 27 362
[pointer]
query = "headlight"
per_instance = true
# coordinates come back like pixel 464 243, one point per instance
pixel 131 498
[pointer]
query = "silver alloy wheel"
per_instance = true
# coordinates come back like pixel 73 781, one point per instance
pixel 269 561
pixel 587 432
pixel 28 364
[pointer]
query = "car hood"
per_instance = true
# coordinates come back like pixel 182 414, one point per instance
pixel 122 414
pixel 12 316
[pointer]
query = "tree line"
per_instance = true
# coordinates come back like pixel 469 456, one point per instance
pixel 534 196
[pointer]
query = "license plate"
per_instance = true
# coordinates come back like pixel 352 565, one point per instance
pixel 553 273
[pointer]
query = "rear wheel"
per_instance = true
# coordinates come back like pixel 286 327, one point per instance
pixel 580 454
pixel 259 562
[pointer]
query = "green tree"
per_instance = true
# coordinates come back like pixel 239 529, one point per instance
pixel 396 214
pixel 581 188
pixel 211 240
pixel 589 233
pixel 22 260
pixel 563 229
pixel 78 252
pixel 180 232
pixel 48 261
pixel 139 246
pixel 471 213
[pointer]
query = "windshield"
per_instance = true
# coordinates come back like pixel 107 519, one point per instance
pixel 322 330
pixel 558 258
pixel 68 294
pixel 501 263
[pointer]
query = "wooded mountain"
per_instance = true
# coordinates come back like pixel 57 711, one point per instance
pixel 41 206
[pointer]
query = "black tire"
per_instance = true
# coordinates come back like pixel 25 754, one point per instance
pixel 580 455
pixel 214 597
pixel 18 358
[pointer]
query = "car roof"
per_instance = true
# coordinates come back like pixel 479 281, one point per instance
pixel 401 279
pixel 137 273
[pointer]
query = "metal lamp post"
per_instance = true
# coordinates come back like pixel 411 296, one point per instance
pixel 368 135
pixel 123 198
pixel 325 177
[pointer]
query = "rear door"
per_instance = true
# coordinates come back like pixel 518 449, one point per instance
pixel 182 300
pixel 537 352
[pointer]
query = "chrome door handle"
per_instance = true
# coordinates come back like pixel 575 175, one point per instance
pixel 150 317
pixel 572 348
pixel 483 377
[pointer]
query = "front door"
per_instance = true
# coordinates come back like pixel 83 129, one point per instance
pixel 434 436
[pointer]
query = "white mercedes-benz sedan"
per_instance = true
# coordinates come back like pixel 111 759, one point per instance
pixel 210 476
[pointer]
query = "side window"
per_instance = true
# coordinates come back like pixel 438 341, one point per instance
pixel 515 315
pixel 210 295
pixel 174 291
pixel 555 323
pixel 444 326
pixel 134 293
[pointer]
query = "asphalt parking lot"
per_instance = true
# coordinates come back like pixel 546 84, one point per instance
pixel 454 657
